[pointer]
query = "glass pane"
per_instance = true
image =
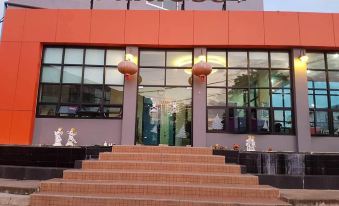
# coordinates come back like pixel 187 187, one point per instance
pixel 95 56
pixel 92 94
pixel 321 101
pixel 321 125
pixel 113 76
pixel 334 99
pixel 113 112
pixel 216 97
pixel 336 123
pixel 74 56
pixel 65 111
pixel 179 59
pixel 114 95
pixel 237 120
pixel 49 93
pixel 315 61
pixel 237 78
pixel 70 93
pixel 281 98
pixel 282 121
pixel 72 75
pixel 47 110
pixel 53 56
pixel 280 60
pixel 333 78
pixel 152 76
pixel 258 59
pixel 93 75
pixel 51 74
pixel 316 79
pixel 259 78
pixel 310 101
pixel 216 119
pixel 237 97
pixel 89 111
pixel 280 78
pixel 217 59
pixel 114 57
pixel 152 58
pixel 178 77
pixel 260 120
pixel 237 59
pixel 259 97
pixel 217 78
pixel 333 61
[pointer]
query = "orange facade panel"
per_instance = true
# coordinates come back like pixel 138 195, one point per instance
pixel 14 25
pixel 21 127
pixel 5 126
pixel 336 28
pixel 210 28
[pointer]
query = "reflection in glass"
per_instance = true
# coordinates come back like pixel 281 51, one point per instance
pixel 237 120
pixel 316 61
pixel 74 56
pixel 49 93
pixel 333 78
pixel 177 77
pixel 336 123
pixel 113 76
pixel 113 112
pixel 216 97
pixel 53 56
pixel 95 57
pixel 237 59
pixel 51 74
pixel 282 121
pixel 114 57
pixel 259 78
pixel 260 120
pixel 72 74
pixel 152 76
pixel 259 97
pixel 217 78
pixel 333 61
pixel 70 93
pixel 280 78
pixel 334 99
pixel 179 59
pixel 281 98
pixel 152 58
pixel 92 94
pixel 237 78
pixel 316 79
pixel 216 119
pixel 237 97
pixel 280 60
pixel 114 95
pixel 320 99
pixel 216 59
pixel 258 59
pixel 319 123
pixel 93 75
pixel 47 110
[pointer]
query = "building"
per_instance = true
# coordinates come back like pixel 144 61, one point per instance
pixel 59 69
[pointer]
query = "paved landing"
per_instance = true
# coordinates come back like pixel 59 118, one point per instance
pixel 311 197
pixel 20 187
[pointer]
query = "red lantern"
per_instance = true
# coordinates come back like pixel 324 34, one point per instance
pixel 202 69
pixel 127 68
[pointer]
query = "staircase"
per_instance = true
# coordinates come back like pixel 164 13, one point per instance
pixel 156 176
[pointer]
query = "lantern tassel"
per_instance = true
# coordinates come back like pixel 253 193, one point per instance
pixel 127 77
pixel 202 78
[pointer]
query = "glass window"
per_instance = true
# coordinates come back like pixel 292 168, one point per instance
pixel 336 123
pixel 282 121
pixel 113 76
pixel 280 60
pixel 258 59
pixel 316 61
pixel 333 61
pixel 259 78
pixel 237 120
pixel 321 99
pixel 260 98
pixel 93 75
pixel 113 112
pixel 49 93
pixel 316 79
pixel 72 74
pixel 92 94
pixel 237 97
pixel 216 119
pixel 74 56
pixel 114 57
pixel 217 78
pixel 281 98
pixel 260 121
pixel 216 97
pixel 53 56
pixel 152 76
pixel 334 99
pixel 70 93
pixel 114 95
pixel 47 110
pixel 333 78
pixel 179 59
pixel 152 58
pixel 177 77
pixel 280 78
pixel 319 123
pixel 51 74
pixel 95 57
pixel 238 78
pixel 217 59
pixel 237 59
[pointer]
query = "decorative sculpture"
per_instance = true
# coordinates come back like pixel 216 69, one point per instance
pixel 250 143
pixel 217 123
pixel 71 134
pixel 57 137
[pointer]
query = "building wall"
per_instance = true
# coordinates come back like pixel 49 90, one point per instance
pixel 26 31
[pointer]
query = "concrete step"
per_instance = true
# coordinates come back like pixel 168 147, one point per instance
pixel 145 188
pixel 160 176
pixel 161 166
pixel 160 157
pixel 60 199
pixel 163 149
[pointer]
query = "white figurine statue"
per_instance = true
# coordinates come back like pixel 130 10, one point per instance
pixel 71 141
pixel 105 144
pixel 250 143
pixel 57 137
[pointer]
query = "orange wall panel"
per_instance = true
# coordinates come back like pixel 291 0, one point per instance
pixel 40 25
pixel 9 64
pixel 73 26
pixel 281 29
pixel 210 28
pixel 336 28
pixel 176 28
pixel 108 27
pixel 316 29
pixel 21 127
pixel 142 28
pixel 13 25
pixel 5 126
pixel 28 77
pixel 246 28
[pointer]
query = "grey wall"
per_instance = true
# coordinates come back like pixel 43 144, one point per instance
pixel 90 131
pixel 325 144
